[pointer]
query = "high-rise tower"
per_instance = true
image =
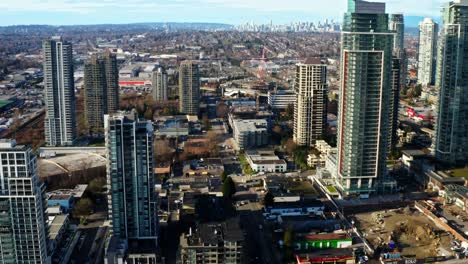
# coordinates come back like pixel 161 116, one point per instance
pixel 399 72
pixel 364 105
pixel 24 233
pixel 427 51
pixel 101 88
pixel 130 177
pixel 452 80
pixel 160 84
pixel 310 109
pixel 189 88
pixel 59 88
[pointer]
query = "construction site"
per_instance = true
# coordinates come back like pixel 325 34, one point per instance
pixel 405 231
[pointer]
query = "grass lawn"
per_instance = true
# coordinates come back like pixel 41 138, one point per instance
pixel 246 169
pixel 331 189
pixel 459 172
pixel 301 187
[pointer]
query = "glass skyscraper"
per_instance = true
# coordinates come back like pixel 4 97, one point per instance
pixel 130 176
pixel 59 92
pixel 365 101
pixel 24 232
pixel 452 80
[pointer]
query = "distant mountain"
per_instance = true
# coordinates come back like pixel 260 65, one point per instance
pixel 196 26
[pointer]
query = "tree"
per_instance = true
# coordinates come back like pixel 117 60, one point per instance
pixel 222 110
pixel 268 200
pixel 290 146
pixel 229 188
pixel 213 139
pixel 163 151
pixel 290 112
pixel 206 122
pixel 83 207
pixel 223 176
pixel 97 185
pixel 149 114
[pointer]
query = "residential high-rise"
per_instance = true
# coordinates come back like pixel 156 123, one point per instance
pixel 394 101
pixel 24 233
pixel 452 80
pixel 101 90
pixel 397 25
pixel 399 72
pixel 427 51
pixel 310 109
pixel 59 88
pixel 189 88
pixel 160 84
pixel 130 177
pixel 364 105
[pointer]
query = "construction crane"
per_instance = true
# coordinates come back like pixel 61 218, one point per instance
pixel 262 64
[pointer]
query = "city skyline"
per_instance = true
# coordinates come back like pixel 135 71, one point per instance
pixel 60 12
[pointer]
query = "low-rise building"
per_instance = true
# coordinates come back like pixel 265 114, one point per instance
pixel 65 201
pixel 304 207
pixel 281 99
pixel 437 180
pixel 322 241
pixel 265 161
pixel 58 226
pixel 338 256
pixel 250 133
pixel 212 243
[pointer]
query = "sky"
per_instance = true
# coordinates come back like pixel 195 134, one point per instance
pixel 81 12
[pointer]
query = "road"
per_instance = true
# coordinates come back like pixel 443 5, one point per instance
pixel 259 243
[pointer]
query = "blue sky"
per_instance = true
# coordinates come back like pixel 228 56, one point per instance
pixel 66 12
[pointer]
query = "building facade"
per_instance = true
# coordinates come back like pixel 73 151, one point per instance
pixel 364 105
pixel 189 88
pixel 310 109
pixel 397 25
pixel 250 133
pixel 101 86
pixel 217 243
pixel 130 179
pixel 24 233
pixel 59 92
pixel 394 101
pixel 160 84
pixel 281 99
pixel 399 73
pixel 427 51
pixel 452 80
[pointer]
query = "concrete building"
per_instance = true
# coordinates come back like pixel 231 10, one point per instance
pixel 427 51
pixel 265 161
pixel 59 92
pixel 130 170
pixel 24 233
pixel 365 101
pixel 452 80
pixel 160 84
pixel 215 243
pixel 250 132
pixel 281 99
pixel 101 87
pixel 310 109
pixel 397 25
pixel 189 88
pixel 396 78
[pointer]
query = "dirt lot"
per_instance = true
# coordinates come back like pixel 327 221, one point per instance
pixel 413 233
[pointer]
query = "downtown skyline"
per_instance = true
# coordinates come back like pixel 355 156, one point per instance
pixel 72 12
